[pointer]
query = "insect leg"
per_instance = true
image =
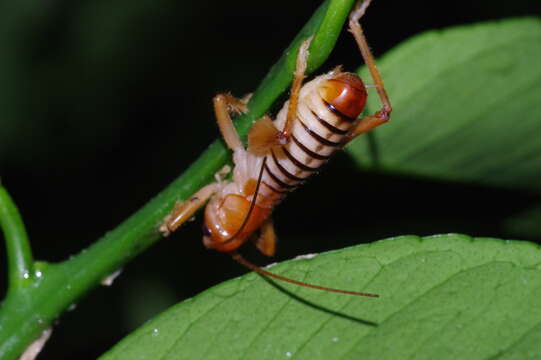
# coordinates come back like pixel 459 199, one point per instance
pixel 224 104
pixel 366 124
pixel 264 135
pixel 266 242
pixel 382 115
pixel 298 77
pixel 183 211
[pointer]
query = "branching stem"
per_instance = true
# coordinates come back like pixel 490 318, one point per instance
pixel 19 254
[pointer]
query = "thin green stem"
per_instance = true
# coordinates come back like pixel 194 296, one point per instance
pixel 26 313
pixel 18 250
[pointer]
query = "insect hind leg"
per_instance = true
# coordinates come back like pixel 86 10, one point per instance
pixel 381 116
pixel 298 77
pixel 358 33
pixel 263 135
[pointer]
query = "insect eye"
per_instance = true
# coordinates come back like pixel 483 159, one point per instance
pixel 206 230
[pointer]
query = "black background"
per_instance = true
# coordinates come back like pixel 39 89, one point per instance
pixel 106 102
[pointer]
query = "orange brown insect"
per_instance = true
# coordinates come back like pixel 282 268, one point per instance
pixel 319 118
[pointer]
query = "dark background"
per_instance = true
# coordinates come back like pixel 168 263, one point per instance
pixel 104 103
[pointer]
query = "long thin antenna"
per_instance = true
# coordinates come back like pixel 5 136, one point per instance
pixel 252 204
pixel 241 260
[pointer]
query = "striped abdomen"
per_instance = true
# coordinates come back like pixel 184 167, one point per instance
pixel 328 108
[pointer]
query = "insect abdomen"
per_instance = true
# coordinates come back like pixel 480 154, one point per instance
pixel 324 117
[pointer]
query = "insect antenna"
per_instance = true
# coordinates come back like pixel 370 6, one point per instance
pixel 252 204
pixel 241 260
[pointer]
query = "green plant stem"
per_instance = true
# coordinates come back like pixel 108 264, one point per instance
pixel 18 250
pixel 27 312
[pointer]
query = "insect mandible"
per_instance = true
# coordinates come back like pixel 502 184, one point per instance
pixel 319 118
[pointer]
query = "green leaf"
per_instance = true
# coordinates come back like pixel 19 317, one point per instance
pixel 467 106
pixel 442 297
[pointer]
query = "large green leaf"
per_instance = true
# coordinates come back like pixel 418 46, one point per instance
pixel 442 297
pixel 467 106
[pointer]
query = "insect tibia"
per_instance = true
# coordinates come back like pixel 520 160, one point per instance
pixel 241 260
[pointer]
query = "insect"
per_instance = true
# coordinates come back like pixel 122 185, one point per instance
pixel 319 118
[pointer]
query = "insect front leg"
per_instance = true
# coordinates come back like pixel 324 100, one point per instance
pixel 184 210
pixel 224 104
pixel 381 116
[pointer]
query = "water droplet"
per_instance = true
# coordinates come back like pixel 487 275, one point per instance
pixel 38 273
pixel 72 307
pixel 155 332
pixel 289 354
pixel 335 339
pixel 26 275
